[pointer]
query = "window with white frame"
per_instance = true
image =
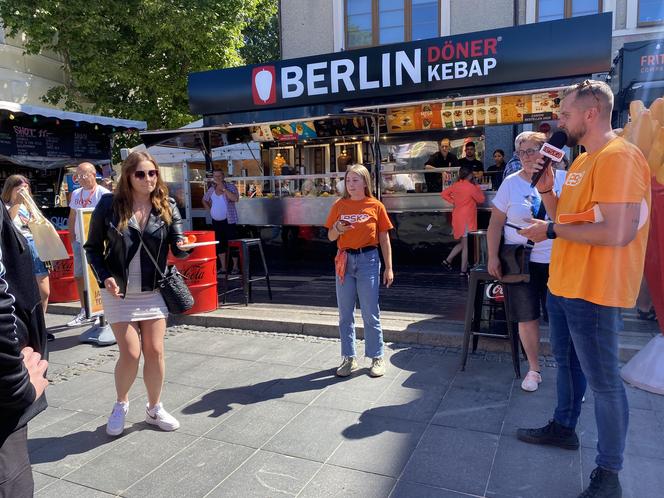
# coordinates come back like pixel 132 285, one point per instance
pixel 550 10
pixel 377 22
pixel 651 12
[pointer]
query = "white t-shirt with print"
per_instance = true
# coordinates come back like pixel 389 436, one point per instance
pixel 519 201
pixel 81 198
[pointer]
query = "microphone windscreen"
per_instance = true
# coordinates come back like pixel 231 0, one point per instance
pixel 558 139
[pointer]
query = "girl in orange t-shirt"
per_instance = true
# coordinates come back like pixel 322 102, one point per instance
pixel 359 223
pixel 464 195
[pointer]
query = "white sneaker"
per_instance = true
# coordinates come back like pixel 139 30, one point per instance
pixel 80 320
pixel 161 418
pixel 116 422
pixel 531 382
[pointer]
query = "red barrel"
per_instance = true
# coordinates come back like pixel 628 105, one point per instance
pixel 61 276
pixel 200 272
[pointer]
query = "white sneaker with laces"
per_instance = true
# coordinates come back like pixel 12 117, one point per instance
pixel 532 381
pixel 158 416
pixel 79 320
pixel 116 422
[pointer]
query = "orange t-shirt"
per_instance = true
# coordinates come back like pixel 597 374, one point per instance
pixel 604 275
pixel 368 216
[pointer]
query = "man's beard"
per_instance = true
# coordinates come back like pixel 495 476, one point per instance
pixel 574 136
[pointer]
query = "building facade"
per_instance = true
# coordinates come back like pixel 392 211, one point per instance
pixel 24 79
pixel 313 27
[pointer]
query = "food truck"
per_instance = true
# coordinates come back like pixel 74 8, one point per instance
pixel 386 107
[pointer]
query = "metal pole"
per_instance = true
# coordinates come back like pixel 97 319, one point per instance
pixel 376 144
pixel 207 151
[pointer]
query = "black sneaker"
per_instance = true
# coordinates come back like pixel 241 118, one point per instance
pixel 553 433
pixel 603 484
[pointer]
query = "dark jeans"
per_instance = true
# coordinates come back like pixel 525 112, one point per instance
pixel 584 339
pixel 223 232
pixel 15 471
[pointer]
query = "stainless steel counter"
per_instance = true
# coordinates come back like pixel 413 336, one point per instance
pixel 425 203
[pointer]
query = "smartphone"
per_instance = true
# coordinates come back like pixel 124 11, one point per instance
pixel 512 225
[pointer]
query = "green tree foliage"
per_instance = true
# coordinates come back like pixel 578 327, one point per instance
pixel 130 58
pixel 262 34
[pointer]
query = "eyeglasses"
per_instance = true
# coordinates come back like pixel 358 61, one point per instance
pixel 78 176
pixel 140 174
pixel 589 85
pixel 526 153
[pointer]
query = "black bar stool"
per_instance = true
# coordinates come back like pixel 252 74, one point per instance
pixel 243 246
pixel 479 280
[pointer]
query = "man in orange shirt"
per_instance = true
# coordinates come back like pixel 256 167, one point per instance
pixel 595 270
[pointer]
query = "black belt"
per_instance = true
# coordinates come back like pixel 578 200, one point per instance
pixel 361 249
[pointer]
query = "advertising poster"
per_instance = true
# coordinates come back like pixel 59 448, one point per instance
pixel 92 291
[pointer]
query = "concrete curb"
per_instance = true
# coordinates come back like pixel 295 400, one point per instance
pixel 426 330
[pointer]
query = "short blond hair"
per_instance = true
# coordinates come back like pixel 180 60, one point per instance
pixel 592 93
pixel 529 136
pixel 358 169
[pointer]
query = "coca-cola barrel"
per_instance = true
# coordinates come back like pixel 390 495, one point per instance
pixel 200 272
pixel 61 276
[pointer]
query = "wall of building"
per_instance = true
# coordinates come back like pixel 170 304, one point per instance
pixel 25 78
pixel 476 15
pixel 307 27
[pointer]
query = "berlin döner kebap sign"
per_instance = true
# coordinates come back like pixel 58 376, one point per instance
pixel 557 49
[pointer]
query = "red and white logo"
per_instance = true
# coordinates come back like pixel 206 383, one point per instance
pixel 553 153
pixel 264 85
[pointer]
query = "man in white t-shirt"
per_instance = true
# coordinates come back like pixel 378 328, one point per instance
pixel 87 196
pixel 220 201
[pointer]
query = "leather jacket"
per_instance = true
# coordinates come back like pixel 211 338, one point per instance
pixel 110 250
pixel 21 324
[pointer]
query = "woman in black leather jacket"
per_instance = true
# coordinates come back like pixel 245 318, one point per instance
pixel 139 209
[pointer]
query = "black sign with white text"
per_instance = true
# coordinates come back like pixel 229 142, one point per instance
pixel 548 50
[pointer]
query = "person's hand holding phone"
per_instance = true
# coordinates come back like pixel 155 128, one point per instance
pixel 342 226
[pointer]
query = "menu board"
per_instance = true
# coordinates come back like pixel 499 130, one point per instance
pixel 18 139
pixel 509 109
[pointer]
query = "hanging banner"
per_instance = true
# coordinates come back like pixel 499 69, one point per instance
pixel 547 50
pixel 92 292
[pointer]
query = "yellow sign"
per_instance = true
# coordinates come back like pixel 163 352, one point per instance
pixel 92 291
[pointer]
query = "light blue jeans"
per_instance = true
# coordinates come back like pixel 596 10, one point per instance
pixel 584 339
pixel 362 280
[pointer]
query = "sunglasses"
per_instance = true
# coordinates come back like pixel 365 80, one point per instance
pixel 140 175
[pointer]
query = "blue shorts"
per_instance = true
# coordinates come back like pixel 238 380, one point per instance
pixel 78 258
pixel 38 267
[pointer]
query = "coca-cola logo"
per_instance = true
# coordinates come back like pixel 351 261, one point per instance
pixel 193 274
pixel 494 291
pixel 62 268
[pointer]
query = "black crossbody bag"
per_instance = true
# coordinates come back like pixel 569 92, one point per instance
pixel 175 292
pixel 515 258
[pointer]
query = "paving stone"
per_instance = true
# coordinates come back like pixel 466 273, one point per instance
pixel 454 459
pixel 641 477
pixel 268 474
pixel 472 409
pixel 211 409
pixel 432 368
pixel 132 459
pixel 401 402
pixel 645 433
pixel 80 389
pixel 256 423
pixel 201 371
pixel 53 423
pixel 356 393
pixel 42 480
pixel 333 481
pixel 294 353
pixel 193 472
pixel 529 470
pixel 60 455
pixel 378 444
pixel 314 434
pixel 301 385
pixel 71 490
pixel 410 490
pixel 486 376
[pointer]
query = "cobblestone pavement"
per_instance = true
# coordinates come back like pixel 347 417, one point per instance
pixel 263 415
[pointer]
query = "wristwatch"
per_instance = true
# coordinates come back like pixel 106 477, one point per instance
pixel 550 232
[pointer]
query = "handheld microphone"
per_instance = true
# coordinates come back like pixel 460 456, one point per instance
pixel 552 151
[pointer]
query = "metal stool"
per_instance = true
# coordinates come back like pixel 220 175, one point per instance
pixel 479 278
pixel 243 246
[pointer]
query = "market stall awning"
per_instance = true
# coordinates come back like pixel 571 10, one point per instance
pixel 46 112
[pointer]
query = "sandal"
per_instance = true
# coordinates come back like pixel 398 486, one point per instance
pixel 446 265
pixel 649 315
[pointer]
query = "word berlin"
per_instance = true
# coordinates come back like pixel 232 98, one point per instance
pixel 458 60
